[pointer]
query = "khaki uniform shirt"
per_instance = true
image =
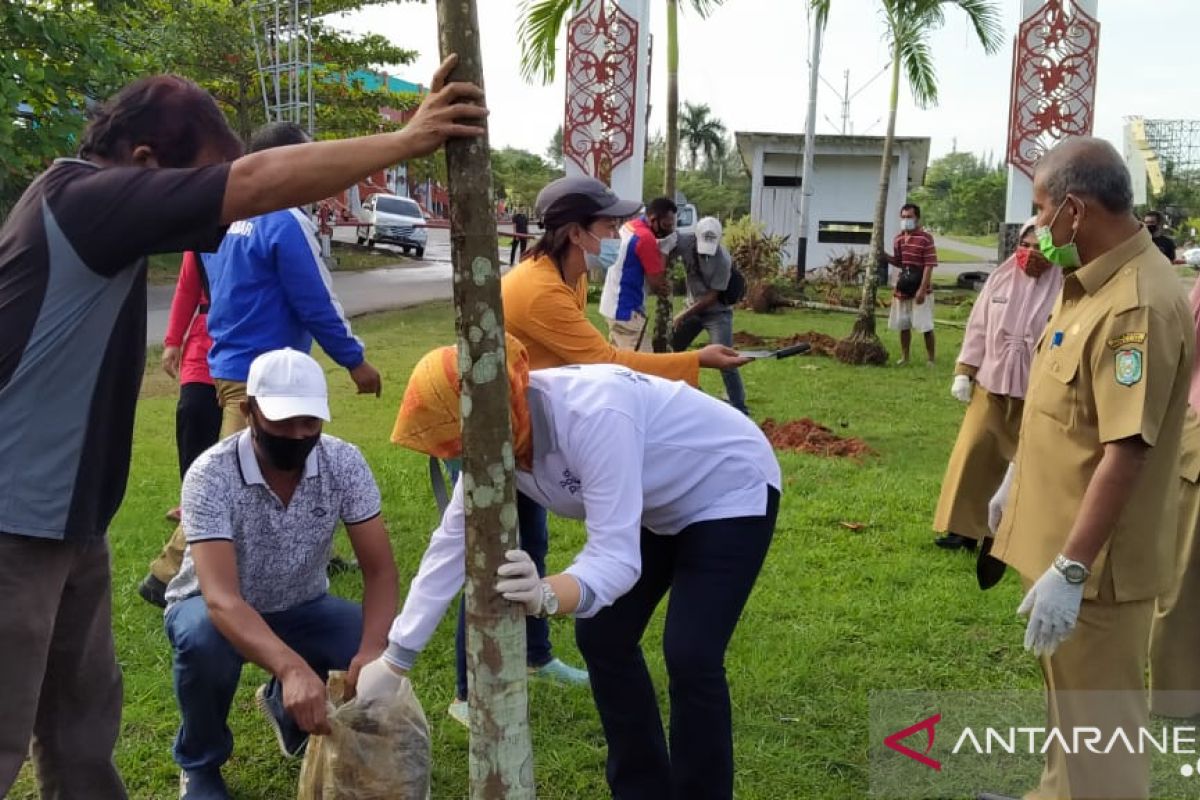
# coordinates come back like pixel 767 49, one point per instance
pixel 1114 363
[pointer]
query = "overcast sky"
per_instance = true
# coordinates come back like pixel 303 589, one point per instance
pixel 748 62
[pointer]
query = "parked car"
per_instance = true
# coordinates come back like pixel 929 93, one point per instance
pixel 394 220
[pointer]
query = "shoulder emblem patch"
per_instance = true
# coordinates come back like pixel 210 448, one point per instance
pixel 1133 337
pixel 1128 366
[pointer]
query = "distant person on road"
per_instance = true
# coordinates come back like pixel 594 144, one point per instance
pixel 638 265
pixel 520 223
pixel 157 172
pixel 185 356
pixel 914 252
pixel 1156 227
pixel 991 375
pixel 270 290
pixel 708 267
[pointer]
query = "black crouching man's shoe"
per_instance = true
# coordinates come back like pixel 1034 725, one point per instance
pixel 153 591
pixel 953 541
pixel 292 739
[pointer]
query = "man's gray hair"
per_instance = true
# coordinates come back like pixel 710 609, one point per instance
pixel 1087 166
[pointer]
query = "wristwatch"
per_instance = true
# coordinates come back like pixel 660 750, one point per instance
pixel 1074 571
pixel 549 601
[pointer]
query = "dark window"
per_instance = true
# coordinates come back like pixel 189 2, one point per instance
pixel 781 180
pixel 844 232
pixel 400 206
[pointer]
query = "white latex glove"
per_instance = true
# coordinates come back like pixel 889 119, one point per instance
pixel 1052 605
pixel 667 243
pixel 961 388
pixel 1000 500
pixel 378 679
pixel 520 581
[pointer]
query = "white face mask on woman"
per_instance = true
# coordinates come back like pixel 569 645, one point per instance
pixel 609 250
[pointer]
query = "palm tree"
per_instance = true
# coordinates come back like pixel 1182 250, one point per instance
pixel 908 24
pixel 701 131
pixel 541 23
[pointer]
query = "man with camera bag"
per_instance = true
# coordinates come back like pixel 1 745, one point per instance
pixel 912 306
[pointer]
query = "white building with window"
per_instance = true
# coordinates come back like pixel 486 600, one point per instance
pixel 845 187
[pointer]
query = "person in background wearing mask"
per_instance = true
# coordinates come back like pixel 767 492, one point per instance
pixel 269 289
pixel 707 266
pixel 545 302
pixel 260 510
pixel 1089 505
pixel 991 375
pixel 1153 220
pixel 915 254
pixel 678 492
pixel 639 264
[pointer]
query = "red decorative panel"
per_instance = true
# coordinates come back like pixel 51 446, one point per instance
pixel 1054 81
pixel 601 88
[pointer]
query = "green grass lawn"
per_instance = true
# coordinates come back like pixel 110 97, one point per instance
pixel 836 614
pixel 947 256
pixel 987 240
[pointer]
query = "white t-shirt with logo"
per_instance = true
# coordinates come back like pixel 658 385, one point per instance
pixel 622 451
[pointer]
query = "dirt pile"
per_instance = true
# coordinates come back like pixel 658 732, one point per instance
pixel 822 344
pixel 746 339
pixel 806 436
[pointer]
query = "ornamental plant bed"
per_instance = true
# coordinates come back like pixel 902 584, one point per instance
pixel 805 436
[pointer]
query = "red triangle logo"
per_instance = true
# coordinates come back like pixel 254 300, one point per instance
pixel 927 725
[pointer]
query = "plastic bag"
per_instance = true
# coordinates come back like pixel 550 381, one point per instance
pixel 376 751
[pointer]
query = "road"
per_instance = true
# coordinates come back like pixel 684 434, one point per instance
pixel 984 254
pixel 410 283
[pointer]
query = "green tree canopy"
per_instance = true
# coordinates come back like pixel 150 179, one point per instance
pixel 962 194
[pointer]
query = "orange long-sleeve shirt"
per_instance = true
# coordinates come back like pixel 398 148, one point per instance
pixel 548 317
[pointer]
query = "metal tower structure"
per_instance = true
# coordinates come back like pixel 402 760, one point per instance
pixel 282 31
pixel 1176 142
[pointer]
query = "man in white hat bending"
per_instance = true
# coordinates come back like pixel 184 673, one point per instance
pixel 259 510
pixel 709 271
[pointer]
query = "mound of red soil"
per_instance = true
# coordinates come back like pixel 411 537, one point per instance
pixel 806 436
pixel 822 344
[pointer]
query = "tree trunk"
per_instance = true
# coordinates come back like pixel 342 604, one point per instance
pixel 662 304
pixel 863 345
pixel 501 754
pixel 810 140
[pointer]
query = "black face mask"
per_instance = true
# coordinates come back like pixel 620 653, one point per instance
pixel 1153 229
pixel 284 453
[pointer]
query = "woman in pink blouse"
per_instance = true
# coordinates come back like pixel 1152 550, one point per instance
pixel 991 375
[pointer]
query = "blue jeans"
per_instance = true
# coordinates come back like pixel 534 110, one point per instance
pixel 719 325
pixel 709 568
pixel 534 536
pixel 325 632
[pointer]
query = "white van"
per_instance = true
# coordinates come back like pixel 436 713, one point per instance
pixel 394 220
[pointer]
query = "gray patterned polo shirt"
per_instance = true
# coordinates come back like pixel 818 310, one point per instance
pixel 282 552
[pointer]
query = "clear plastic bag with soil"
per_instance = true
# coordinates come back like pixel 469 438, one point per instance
pixel 376 751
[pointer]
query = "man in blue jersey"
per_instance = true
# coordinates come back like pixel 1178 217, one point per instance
pixel 269 290
pixel 639 264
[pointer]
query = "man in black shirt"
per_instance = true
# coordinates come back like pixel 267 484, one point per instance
pixel 156 173
pixel 1153 220
pixel 520 241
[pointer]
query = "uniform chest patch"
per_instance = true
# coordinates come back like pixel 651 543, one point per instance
pixel 1128 366
pixel 1133 337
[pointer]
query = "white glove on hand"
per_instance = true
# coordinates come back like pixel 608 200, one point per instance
pixel 1000 500
pixel 960 390
pixel 521 583
pixel 377 680
pixel 1052 605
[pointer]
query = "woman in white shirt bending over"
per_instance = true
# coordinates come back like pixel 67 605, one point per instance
pixel 678 491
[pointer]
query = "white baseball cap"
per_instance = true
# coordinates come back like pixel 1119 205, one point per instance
pixel 287 383
pixel 708 236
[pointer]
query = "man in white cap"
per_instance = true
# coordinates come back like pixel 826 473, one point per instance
pixel 260 510
pixel 709 271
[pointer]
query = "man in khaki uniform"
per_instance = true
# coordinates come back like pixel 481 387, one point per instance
pixel 1091 502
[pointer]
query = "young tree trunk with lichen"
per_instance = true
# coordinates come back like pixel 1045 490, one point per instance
pixel 501 753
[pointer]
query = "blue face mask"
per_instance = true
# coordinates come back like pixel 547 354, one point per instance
pixel 609 250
